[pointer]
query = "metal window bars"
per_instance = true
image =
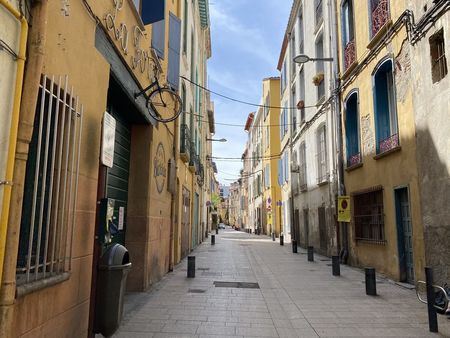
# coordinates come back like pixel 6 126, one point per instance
pixel 47 227
pixel 379 15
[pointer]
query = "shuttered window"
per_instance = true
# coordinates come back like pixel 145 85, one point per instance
pixel 174 51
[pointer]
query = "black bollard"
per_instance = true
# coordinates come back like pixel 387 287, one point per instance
pixel 336 266
pixel 294 246
pixel 273 236
pixel 213 239
pixel 310 254
pixel 191 267
pixel 432 317
pixel 281 239
pixel 217 230
pixel 371 283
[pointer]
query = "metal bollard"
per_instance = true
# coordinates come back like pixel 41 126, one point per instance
pixel 191 267
pixel 213 239
pixel 273 236
pixel 371 283
pixel 217 230
pixel 432 317
pixel 281 239
pixel 294 246
pixel 310 254
pixel 336 265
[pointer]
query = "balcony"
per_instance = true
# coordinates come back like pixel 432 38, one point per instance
pixel 200 174
pixel 185 144
pixel 380 15
pixel 354 160
pixel 349 54
pixel 388 144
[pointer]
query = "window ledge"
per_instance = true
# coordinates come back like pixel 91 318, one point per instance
pixel 324 182
pixel 371 241
pixel 353 167
pixel 348 71
pixel 377 37
pixel 386 153
pixel 25 289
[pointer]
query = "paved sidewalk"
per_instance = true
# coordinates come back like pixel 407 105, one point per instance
pixel 296 298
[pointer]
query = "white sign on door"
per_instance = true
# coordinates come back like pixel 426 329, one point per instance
pixel 108 139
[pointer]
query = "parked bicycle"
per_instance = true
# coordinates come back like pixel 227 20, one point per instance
pixel 163 103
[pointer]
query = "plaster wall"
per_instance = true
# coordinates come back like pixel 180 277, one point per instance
pixel 432 121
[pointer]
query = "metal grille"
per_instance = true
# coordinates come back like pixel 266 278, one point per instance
pixel 349 54
pixel 380 14
pixel 51 185
pixel 438 60
pixel 369 216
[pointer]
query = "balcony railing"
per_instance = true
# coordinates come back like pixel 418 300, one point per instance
pixel 185 143
pixel 388 144
pixel 354 160
pixel 380 14
pixel 200 174
pixel 349 54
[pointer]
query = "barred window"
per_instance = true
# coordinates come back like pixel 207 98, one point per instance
pixel 438 60
pixel 322 172
pixel 51 184
pixel 369 216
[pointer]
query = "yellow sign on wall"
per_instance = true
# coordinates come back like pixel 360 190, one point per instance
pixel 344 214
pixel 269 218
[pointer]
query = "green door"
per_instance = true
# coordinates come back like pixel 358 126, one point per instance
pixel 117 176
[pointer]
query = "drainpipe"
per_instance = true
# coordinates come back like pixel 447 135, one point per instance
pixel 21 133
pixel 338 124
pixel 7 182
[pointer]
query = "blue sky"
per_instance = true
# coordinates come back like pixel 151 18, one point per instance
pixel 246 42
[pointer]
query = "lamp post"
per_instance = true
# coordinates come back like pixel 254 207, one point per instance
pixel 302 58
pixel 216 140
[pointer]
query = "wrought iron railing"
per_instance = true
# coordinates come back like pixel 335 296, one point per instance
pixel 185 142
pixel 354 160
pixel 380 14
pixel 200 174
pixel 388 143
pixel 349 54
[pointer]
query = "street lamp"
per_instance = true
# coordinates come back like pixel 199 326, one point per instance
pixel 302 58
pixel 216 140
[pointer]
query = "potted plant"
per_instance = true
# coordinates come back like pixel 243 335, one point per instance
pixel 318 78
pixel 301 104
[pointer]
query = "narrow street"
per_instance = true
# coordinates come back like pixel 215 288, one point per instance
pixel 296 298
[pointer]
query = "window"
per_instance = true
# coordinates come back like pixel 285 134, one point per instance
pixel 320 68
pixel 322 172
pixel 318 11
pixel 438 59
pixel 302 95
pixel 301 38
pixel 183 102
pixel 283 78
pixel 192 55
pixel 369 216
pixel 348 37
pixel 379 15
pixel 158 37
pixel 385 108
pixel 266 106
pixel 286 167
pixel 151 11
pixel 267 176
pixel 352 131
pixel 293 54
pixel 267 137
pixel 293 112
pixel 302 167
pixel 173 73
pixel 51 184
pixel 185 27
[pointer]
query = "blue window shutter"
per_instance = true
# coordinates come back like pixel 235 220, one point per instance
pixel 158 37
pixel 279 172
pixel 174 51
pixel 152 11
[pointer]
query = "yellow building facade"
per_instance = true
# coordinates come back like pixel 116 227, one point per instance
pixel 379 140
pixel 271 151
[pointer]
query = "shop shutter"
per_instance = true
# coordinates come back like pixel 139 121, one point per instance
pixel 174 51
pixel 152 11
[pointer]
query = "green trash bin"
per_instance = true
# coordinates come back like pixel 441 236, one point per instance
pixel 113 269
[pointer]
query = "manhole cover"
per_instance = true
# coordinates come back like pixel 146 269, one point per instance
pixel 239 285
pixel 203 269
pixel 197 291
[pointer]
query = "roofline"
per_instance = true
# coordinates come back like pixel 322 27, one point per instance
pixel 292 16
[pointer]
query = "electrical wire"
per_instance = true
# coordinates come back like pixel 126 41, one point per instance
pixel 8 49
pixel 241 101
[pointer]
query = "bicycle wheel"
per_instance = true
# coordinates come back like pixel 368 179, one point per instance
pixel 164 105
